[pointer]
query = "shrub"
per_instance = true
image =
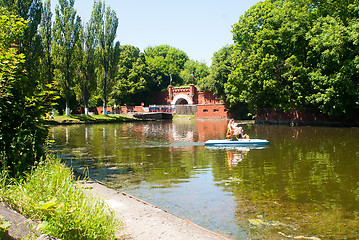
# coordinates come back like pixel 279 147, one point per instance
pixel 22 106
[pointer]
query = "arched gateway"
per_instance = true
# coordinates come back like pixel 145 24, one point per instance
pixel 188 101
pixel 181 95
pixel 182 99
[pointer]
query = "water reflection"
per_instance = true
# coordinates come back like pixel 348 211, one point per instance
pixel 235 156
pixel 307 177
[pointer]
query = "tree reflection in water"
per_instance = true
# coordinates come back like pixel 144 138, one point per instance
pixel 306 183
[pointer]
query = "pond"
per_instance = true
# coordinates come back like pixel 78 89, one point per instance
pixel 305 183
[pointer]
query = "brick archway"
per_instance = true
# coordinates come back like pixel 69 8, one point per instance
pixel 180 97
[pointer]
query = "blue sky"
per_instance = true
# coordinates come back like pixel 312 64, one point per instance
pixel 197 27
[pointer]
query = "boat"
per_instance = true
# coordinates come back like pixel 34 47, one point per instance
pixel 237 142
pixel 153 115
pixel 237 147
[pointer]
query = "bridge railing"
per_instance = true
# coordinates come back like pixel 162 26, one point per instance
pixel 162 108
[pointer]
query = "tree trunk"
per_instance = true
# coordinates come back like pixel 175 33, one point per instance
pixel 67 105
pixel 105 94
pixel 104 107
pixel 86 107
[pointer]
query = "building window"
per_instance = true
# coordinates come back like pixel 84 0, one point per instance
pixel 215 110
pixel 205 110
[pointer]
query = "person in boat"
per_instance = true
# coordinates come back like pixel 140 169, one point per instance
pixel 235 131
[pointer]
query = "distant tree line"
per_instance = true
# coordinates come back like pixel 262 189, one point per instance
pixel 58 61
pixel 89 67
pixel 286 54
pixel 292 54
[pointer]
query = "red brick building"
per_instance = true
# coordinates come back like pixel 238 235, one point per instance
pixel 181 100
pixel 190 95
pixel 206 104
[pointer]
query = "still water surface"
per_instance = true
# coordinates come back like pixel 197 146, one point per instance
pixel 305 183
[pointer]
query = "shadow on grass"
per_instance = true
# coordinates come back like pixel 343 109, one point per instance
pixel 79 119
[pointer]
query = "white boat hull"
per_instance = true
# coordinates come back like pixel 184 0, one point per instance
pixel 239 142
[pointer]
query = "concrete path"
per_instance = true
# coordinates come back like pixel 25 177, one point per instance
pixel 144 221
pixel 20 227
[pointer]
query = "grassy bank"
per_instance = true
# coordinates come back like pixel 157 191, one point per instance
pixel 48 194
pixel 80 119
pixel 186 117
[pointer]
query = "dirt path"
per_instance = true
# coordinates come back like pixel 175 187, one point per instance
pixel 144 221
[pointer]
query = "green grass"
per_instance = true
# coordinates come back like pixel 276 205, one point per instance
pixel 78 119
pixel 49 194
pixel 184 116
pixel 4 227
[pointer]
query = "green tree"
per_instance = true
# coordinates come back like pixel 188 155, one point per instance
pixel 46 37
pixel 106 30
pixel 87 67
pixel 194 72
pixel 334 59
pixel 66 34
pixel 297 54
pixel 131 78
pixel 220 70
pixel 30 42
pixel 165 64
pixel 270 54
pixel 342 9
pixel 22 133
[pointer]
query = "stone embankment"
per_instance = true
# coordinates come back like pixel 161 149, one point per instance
pixel 303 118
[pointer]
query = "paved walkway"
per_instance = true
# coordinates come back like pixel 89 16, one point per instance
pixel 144 221
pixel 21 227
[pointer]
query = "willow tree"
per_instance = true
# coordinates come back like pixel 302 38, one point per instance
pixel 106 30
pixel 66 34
